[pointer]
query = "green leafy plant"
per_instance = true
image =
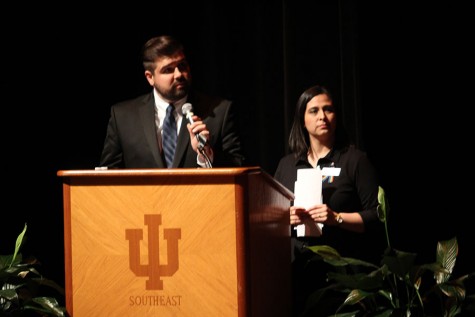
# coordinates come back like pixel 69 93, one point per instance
pixel 23 290
pixel 398 287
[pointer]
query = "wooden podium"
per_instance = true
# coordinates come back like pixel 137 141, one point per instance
pixel 176 242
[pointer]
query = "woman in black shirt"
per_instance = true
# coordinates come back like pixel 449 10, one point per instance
pixel 349 209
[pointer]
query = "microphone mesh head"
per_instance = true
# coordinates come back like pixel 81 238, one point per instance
pixel 187 107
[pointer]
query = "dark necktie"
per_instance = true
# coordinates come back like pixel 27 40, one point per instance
pixel 169 135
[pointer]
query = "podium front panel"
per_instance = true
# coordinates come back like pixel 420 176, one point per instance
pixel 159 245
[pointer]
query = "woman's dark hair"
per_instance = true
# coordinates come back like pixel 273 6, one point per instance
pixel 299 139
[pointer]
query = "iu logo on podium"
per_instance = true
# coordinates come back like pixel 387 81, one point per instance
pixel 153 270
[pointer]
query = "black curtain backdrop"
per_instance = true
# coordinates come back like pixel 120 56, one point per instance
pixel 400 71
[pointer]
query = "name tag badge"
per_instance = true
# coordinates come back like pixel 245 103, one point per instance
pixel 331 171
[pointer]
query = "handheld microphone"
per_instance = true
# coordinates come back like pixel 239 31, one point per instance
pixel 187 110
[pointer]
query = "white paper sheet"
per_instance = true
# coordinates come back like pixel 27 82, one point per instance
pixel 308 192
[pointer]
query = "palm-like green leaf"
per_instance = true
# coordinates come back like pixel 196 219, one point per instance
pixel 5 261
pixel 355 296
pixel 331 256
pixel 373 280
pixel 383 211
pixel 19 242
pixel 447 252
pixel 457 291
pixel 47 305
pixel 21 286
pixel 383 207
pixel 396 288
pixel 9 294
pixel 400 263
pixel 325 250
pixel 386 294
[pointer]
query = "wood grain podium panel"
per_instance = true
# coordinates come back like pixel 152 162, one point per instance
pixel 184 242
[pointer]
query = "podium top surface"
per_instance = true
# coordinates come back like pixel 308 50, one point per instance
pixel 161 171
pixel 179 173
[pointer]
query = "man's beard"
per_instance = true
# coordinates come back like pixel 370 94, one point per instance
pixel 175 93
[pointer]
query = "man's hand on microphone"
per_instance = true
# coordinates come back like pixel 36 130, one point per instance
pixel 199 136
pixel 198 128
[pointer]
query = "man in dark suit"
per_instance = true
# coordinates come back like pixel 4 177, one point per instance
pixel 134 132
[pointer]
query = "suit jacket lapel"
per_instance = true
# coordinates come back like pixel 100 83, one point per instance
pixel 147 117
pixel 182 143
